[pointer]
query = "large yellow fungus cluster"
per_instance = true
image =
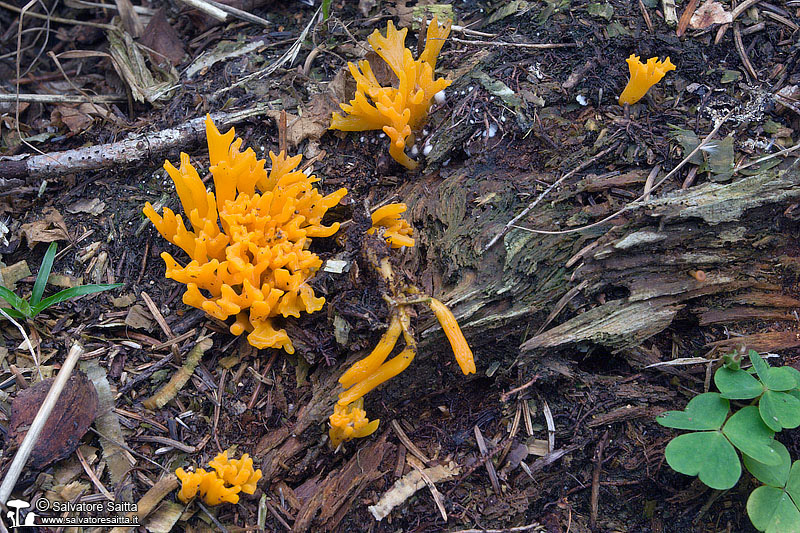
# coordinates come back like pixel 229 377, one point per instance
pixel 398 111
pixel 228 478
pixel 396 230
pixel 643 76
pixel 248 250
pixel 349 420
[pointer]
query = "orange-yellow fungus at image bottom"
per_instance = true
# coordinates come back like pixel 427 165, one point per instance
pixel 212 487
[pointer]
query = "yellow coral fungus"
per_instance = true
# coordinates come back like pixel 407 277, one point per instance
pixel 397 231
pixel 236 471
pixel 452 331
pixel 643 76
pixel 396 110
pixel 248 251
pixel 213 487
pixel 349 422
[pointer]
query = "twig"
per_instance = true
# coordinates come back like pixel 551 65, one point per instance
pixel 58 20
pixel 410 446
pixel 92 475
pixel 128 151
pixel 288 57
pixel 646 16
pixel 748 66
pixel 551 427
pixel 535 46
pixel 437 496
pixel 61 98
pixel 539 198
pixel 27 341
pixel 487 461
pixel 38 423
pixel 633 202
pixel 517 529
pixel 741 8
pixel 598 468
pixel 760 160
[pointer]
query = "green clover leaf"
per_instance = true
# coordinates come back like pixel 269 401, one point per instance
pixel 703 412
pixel 737 384
pixel 706 454
pixel 747 431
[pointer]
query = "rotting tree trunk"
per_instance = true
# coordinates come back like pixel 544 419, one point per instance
pixel 734 232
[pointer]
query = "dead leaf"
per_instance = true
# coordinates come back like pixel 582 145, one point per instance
pixel 71 117
pixel 92 206
pixel 365 6
pixel 708 14
pixel 71 417
pixel 315 120
pixel 139 318
pixel 163 40
pixel 50 228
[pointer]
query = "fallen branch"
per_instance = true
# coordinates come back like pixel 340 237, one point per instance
pixel 127 152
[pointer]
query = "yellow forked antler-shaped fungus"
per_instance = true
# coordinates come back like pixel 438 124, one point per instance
pixel 349 419
pixel 643 76
pixel 248 250
pixel 398 111
pixel 213 487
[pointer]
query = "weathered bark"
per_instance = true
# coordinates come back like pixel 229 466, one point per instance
pixel 729 231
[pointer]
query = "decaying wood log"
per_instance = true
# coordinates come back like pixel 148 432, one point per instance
pixel 640 269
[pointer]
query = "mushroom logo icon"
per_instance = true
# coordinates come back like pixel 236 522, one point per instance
pixel 13 517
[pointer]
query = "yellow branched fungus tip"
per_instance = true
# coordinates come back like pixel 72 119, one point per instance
pixel 396 230
pixel 350 422
pixel 396 110
pixel 643 76
pixel 248 245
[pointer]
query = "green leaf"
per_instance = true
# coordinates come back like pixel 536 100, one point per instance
pixel 13 313
pixel 13 300
pixel 43 274
pixel 772 475
pixel 772 510
pixel 778 379
pixel 703 412
pixel 747 431
pixel 779 410
pixel 72 292
pixel 796 373
pixel 737 384
pixel 706 454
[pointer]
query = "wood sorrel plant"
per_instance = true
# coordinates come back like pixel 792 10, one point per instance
pixel 710 450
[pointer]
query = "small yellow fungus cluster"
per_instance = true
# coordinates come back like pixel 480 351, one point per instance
pixel 228 478
pixel 397 231
pixel 398 111
pixel 349 419
pixel 248 251
pixel 349 422
pixel 643 76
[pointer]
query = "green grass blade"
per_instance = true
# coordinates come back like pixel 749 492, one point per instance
pixel 44 274
pixel 13 313
pixel 73 292
pixel 13 300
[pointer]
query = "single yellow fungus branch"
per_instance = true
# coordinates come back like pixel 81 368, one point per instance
pixel 453 332
pixel 643 76
pixel 367 366
pixel 349 422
